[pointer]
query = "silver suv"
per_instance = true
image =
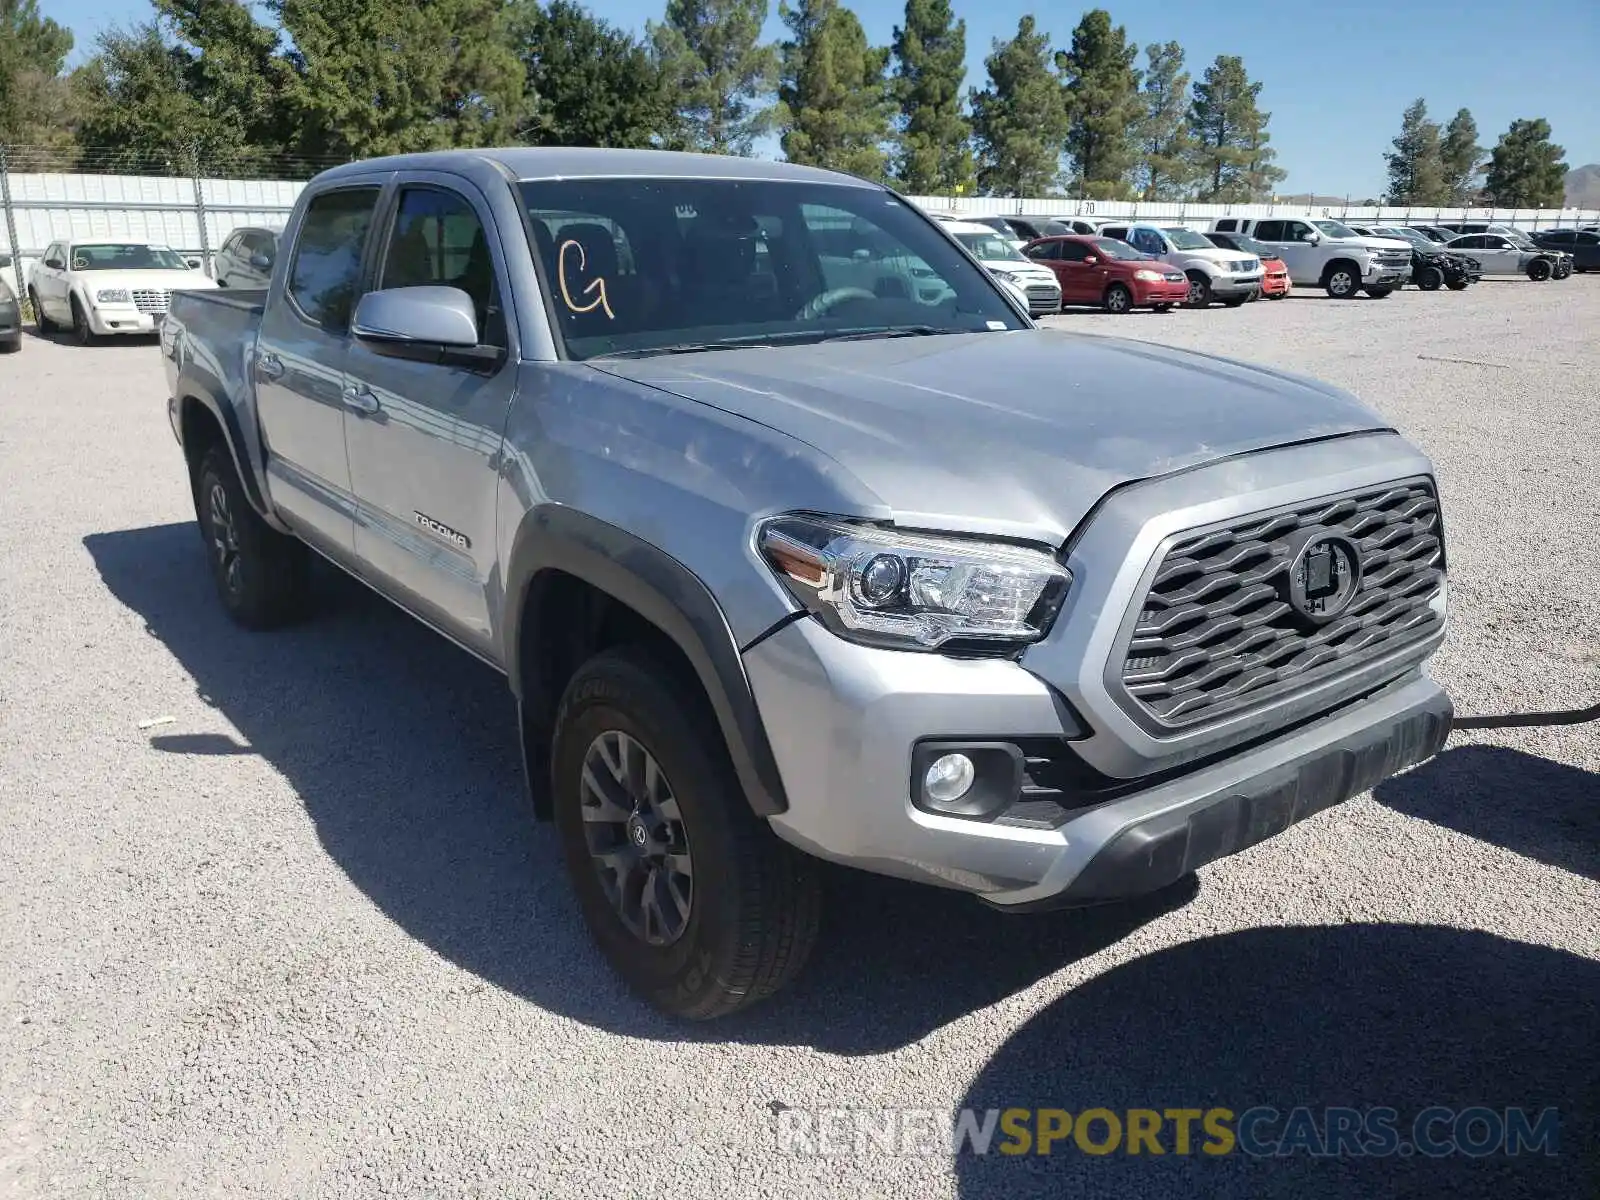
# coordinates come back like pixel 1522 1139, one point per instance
pixel 794 539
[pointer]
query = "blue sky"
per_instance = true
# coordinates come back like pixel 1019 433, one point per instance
pixel 1336 78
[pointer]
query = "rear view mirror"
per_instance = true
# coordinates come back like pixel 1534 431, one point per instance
pixel 426 324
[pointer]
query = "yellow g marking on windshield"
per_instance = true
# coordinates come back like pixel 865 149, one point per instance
pixel 599 285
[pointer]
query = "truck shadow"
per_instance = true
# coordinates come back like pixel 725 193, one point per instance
pixel 402 749
pixel 1530 805
pixel 1398 1016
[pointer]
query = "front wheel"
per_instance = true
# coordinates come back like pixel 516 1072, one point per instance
pixel 1199 291
pixel 1429 279
pixel 261 574
pixel 45 325
pixel 1118 299
pixel 1343 283
pixel 693 900
pixel 1539 270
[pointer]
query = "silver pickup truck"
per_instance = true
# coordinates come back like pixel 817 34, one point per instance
pixel 794 538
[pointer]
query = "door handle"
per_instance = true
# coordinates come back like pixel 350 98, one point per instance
pixel 269 366
pixel 357 398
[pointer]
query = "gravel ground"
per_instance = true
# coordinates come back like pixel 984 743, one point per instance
pixel 299 939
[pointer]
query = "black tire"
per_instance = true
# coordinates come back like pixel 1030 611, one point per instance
pixel 261 574
pixel 1539 270
pixel 12 346
pixel 80 325
pixel 1429 279
pixel 1458 285
pixel 1118 299
pixel 1379 293
pixel 753 902
pixel 1342 281
pixel 1562 271
pixel 1199 291
pixel 43 323
pixel 1161 308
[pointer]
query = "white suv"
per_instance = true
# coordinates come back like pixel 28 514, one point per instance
pixel 1038 285
pixel 1329 255
pixel 1214 273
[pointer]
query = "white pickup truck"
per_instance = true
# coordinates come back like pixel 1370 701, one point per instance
pixel 1326 254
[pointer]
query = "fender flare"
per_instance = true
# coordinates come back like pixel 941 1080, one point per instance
pixel 668 595
pixel 232 437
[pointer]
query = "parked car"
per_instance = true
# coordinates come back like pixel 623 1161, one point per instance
pixel 1582 245
pixel 778 569
pixel 99 287
pixel 1213 274
pixel 1086 225
pixel 1006 263
pixel 1275 281
pixel 1502 255
pixel 1109 274
pixel 10 315
pixel 1432 266
pixel 1032 228
pixel 1329 255
pixel 1435 233
pixel 246 257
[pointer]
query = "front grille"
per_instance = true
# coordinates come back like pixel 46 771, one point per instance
pixel 1216 633
pixel 1041 296
pixel 152 301
pixel 1393 260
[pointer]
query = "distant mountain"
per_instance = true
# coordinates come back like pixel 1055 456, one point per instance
pixel 1311 201
pixel 1583 186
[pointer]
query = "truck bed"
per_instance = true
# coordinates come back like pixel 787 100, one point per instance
pixel 251 300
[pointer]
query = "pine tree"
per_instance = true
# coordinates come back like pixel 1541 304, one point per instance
pixel 592 83
pixel 1462 159
pixel 934 152
pixel 1165 170
pixel 1103 106
pixel 713 60
pixel 833 100
pixel 1020 120
pixel 33 95
pixel 1416 167
pixel 1231 153
pixel 1526 169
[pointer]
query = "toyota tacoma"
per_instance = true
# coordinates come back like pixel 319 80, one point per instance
pixel 791 556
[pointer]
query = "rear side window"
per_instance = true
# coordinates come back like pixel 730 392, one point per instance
pixel 1561 239
pixel 1226 225
pixel 327 258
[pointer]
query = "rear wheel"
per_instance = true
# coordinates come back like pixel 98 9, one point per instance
pixel 12 346
pixel 1118 299
pixel 1342 281
pixel 1199 290
pixel 696 904
pixel 45 324
pixel 261 574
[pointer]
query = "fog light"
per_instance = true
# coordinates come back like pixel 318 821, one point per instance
pixel 948 778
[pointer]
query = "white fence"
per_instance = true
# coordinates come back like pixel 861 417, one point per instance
pixel 194 216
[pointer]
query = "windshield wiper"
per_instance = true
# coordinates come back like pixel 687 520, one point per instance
pixel 790 337
pixel 889 331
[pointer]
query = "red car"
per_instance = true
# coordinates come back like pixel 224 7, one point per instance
pixel 1109 274
pixel 1275 282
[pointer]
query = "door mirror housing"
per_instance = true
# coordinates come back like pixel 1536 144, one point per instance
pixel 55 264
pixel 424 324
pixel 1090 259
pixel 193 263
pixel 261 262
pixel 1310 237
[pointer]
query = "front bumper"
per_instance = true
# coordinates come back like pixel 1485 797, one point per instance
pixel 1385 275
pixel 1146 293
pixel 845 720
pixel 1276 285
pixel 106 320
pixel 1235 285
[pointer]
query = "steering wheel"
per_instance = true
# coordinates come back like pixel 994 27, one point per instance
pixel 821 306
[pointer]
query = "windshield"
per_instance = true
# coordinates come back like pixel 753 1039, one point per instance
pixel 125 256
pixel 1187 239
pixel 1048 228
pixel 1112 248
pixel 644 266
pixel 1408 235
pixel 986 246
pixel 1248 245
pixel 1334 229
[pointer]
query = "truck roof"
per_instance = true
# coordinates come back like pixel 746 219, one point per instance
pixel 556 162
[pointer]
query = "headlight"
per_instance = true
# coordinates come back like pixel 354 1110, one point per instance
pixel 911 590
pixel 1005 276
pixel 1147 275
pixel 113 296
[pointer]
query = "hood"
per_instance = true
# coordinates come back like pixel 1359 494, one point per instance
pixel 156 280
pixel 1014 267
pixel 1373 243
pixel 1215 254
pixel 1016 433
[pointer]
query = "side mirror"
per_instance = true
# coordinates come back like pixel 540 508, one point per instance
pixel 1311 238
pixel 194 263
pixel 424 324
pixel 55 264
pixel 261 262
pixel 1090 259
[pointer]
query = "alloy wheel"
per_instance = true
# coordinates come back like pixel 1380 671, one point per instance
pixel 634 830
pixel 224 537
pixel 1342 283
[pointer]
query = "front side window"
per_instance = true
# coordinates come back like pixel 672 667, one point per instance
pixel 125 256
pixel 1077 251
pixel 439 241
pixel 644 266
pixel 327 258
